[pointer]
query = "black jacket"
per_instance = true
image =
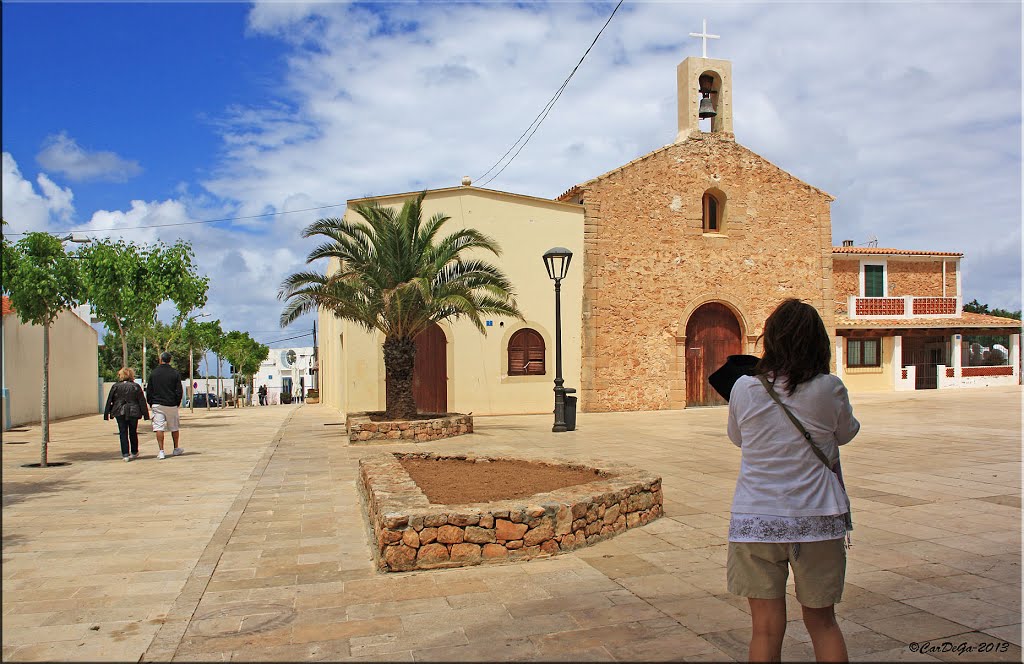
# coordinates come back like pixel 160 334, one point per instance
pixel 126 400
pixel 164 387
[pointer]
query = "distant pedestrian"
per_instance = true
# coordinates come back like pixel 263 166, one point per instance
pixel 240 395
pixel 263 395
pixel 126 403
pixel 164 393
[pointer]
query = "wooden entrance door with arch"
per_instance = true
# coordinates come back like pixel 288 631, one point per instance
pixel 712 335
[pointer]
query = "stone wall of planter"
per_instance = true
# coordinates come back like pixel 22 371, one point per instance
pixel 362 429
pixel 412 534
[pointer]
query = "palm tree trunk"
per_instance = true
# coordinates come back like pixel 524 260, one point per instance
pixel 399 362
pixel 45 413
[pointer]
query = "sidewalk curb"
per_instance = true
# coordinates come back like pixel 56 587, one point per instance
pixel 166 641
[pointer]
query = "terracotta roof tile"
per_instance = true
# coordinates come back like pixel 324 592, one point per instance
pixel 966 320
pixel 7 308
pixel 875 251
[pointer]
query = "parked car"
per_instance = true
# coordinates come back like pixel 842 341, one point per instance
pixel 203 397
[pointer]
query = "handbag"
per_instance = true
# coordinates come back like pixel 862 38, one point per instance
pixel 837 469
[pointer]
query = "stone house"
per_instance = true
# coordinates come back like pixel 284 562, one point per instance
pixel 900 324
pixel 685 252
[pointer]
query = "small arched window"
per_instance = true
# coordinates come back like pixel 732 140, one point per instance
pixel 526 353
pixel 713 208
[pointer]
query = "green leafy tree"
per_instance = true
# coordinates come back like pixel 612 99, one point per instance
pixel 245 353
pixel 155 274
pixel 978 308
pixel 198 338
pixel 42 281
pixel 397 276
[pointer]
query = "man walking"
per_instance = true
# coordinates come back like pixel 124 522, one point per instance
pixel 164 394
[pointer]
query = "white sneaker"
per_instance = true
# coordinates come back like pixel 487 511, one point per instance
pixel 133 457
pixel 161 455
pixel 178 451
pixel 127 458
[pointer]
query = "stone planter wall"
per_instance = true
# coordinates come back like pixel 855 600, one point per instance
pixel 362 429
pixel 410 533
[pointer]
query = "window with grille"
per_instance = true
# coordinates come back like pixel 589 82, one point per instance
pixel 526 353
pixel 874 281
pixel 863 353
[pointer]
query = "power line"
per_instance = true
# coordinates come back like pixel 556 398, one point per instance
pixel 204 221
pixel 535 125
pixel 299 336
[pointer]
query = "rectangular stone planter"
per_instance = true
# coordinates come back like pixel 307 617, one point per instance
pixel 411 533
pixel 362 429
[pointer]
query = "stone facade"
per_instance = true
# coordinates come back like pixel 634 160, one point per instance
pixel 648 264
pixel 917 278
pixel 362 429
pixel 411 533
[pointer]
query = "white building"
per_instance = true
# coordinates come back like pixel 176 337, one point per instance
pixel 288 371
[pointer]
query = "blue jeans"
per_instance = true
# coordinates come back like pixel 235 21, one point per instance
pixel 128 430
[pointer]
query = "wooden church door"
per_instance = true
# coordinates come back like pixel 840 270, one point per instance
pixel 712 335
pixel 430 374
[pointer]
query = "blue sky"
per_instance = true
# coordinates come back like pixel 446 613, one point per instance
pixel 125 115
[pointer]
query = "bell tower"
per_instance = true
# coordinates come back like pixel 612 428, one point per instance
pixel 704 88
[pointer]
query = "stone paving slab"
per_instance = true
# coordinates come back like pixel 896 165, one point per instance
pixel 245 547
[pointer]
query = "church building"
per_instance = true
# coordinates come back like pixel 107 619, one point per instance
pixel 679 257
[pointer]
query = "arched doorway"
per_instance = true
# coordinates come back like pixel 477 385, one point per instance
pixel 712 335
pixel 430 374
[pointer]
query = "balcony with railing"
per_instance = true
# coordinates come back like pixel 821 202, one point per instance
pixel 906 306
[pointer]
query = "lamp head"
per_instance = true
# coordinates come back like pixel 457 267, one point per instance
pixel 556 261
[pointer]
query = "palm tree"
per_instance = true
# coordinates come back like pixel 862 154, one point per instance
pixel 397 277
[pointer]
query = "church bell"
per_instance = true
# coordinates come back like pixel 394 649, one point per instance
pixel 707 109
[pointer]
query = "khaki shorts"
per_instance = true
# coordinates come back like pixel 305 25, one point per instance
pixel 165 418
pixel 759 570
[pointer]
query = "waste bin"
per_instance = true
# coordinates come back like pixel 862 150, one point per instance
pixel 570 409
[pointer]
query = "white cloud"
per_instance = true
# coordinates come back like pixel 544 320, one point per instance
pixel 24 208
pixel 62 154
pixel 911 119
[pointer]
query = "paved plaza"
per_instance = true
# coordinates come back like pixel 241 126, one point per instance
pixel 251 545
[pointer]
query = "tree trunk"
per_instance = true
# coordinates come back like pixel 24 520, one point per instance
pixel 45 413
pixel 124 343
pixel 399 361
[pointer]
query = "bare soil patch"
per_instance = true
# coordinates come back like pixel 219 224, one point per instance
pixel 457 482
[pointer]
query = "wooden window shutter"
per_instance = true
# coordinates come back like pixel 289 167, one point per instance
pixel 874 281
pixel 526 354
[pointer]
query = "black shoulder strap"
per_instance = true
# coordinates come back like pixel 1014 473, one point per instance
pixel 792 418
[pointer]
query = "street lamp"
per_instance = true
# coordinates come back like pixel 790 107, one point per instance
pixel 70 237
pixel 557 263
pixel 191 392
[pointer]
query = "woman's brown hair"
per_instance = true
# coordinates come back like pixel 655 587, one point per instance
pixel 125 373
pixel 796 344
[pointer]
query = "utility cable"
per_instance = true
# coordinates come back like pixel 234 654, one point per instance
pixel 535 125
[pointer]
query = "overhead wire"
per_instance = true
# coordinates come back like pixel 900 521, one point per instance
pixel 535 125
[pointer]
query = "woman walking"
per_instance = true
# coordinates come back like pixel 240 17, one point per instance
pixel 126 402
pixel 790 510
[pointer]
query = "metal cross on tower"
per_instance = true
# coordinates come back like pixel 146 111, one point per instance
pixel 704 37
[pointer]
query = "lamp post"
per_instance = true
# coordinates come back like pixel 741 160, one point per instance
pixel 556 261
pixel 191 392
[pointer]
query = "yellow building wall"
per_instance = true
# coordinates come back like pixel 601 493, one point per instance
pixel 351 360
pixel 872 379
pixel 74 368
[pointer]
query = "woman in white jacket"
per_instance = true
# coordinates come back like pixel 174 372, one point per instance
pixel 789 509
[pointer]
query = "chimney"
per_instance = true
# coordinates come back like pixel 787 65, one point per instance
pixel 847 243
